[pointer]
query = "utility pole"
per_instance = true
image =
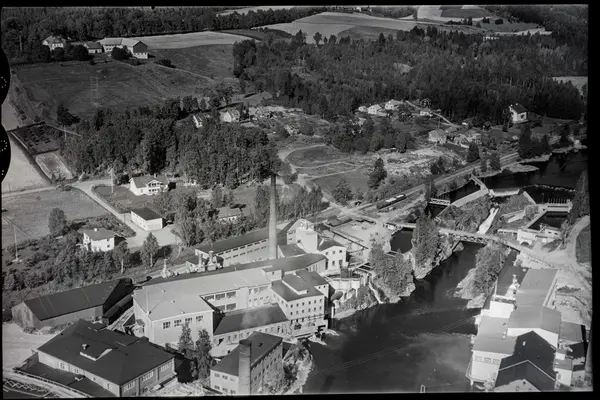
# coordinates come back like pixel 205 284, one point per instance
pixel 16 246
pixel 112 181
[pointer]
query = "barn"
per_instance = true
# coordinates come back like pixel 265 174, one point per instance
pixel 88 302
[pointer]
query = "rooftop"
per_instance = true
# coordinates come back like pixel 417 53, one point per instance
pixel 122 358
pixel 495 344
pixel 250 318
pixel 288 294
pixel 143 181
pixel 492 326
pixel 572 332
pixel 169 301
pixel 70 301
pixel 311 277
pixel 228 212
pixel 146 213
pixel 296 283
pixel 325 244
pixel 536 285
pixel 291 250
pixel 93 45
pixel 535 317
pixel 261 344
pixel 518 108
pixel 237 241
pixel 98 233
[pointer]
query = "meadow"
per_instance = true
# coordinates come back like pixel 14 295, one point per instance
pixel 185 40
pixel 22 173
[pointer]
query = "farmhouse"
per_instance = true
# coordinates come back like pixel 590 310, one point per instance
pixel 88 302
pixel 437 136
pixel 254 362
pixel 54 42
pixel 374 109
pixel 229 214
pixel 147 219
pixel 136 48
pixel 392 105
pixel 194 298
pixel 148 185
pixel 93 47
pixel 120 364
pixel 230 116
pixel 98 239
pixel 518 113
pixel 240 324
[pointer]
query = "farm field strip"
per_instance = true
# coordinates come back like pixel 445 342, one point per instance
pixel 21 174
pixel 242 11
pixel 185 40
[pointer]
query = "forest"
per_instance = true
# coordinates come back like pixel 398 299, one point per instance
pixel 23 29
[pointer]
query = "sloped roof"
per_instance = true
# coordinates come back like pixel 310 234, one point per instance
pixel 128 357
pixel 494 344
pixel 291 250
pixel 93 45
pixel 54 40
pixel 296 283
pixel 146 213
pixel 325 244
pixel 250 318
pixel 70 301
pixel 98 233
pixel 518 108
pixel 535 317
pixel 572 332
pixel 535 287
pixel 143 181
pixel 227 212
pixel 231 243
pixel 261 345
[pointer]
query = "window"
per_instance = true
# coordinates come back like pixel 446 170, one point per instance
pixel 333 263
pixel 220 296
pixel 62 365
pixel 148 376
pixel 224 377
pixel 188 320
pixel 302 304
pixel 217 375
pixel 309 302
pixel 230 294
pixel 130 385
pixel 340 251
pixel 222 308
pixel 217 387
pixel 326 253
pixel 177 323
pixel 199 318
pixel 487 360
pixel 108 386
pixel 94 378
pixel 230 307
pixel 165 367
pixel 211 297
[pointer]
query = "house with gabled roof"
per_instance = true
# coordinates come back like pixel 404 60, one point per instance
pixel 518 113
pixel 148 184
pixel 98 239
pixel 87 302
pixel 103 363
pixel 230 116
pixel 392 105
pixel 54 42
pixel 135 47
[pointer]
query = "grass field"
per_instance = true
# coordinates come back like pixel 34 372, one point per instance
pixel 464 12
pixel 316 156
pixel 119 85
pixel 125 199
pixel 214 61
pixel 584 246
pixel 21 174
pixel 367 32
pixel 356 179
pixel 30 212
pixel 185 40
pixel 333 23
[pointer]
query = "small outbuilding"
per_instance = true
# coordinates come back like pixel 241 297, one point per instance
pixel 147 219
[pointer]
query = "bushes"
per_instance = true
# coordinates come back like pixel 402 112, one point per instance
pixel 489 262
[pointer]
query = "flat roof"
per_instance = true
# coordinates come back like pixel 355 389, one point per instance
pixel 572 332
pixel 535 317
pixel 168 301
pixel 291 250
pixel 311 277
pixel 495 344
pixel 296 283
pixel 146 214
pixel 70 301
pixel 288 294
pixel 250 318
pixel 492 326
pixel 535 287
pixel 234 242
pixel 125 357
pixel 261 345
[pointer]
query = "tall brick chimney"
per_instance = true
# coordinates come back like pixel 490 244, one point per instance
pixel 244 367
pixel 273 220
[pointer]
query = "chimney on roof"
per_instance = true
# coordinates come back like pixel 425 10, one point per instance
pixel 244 367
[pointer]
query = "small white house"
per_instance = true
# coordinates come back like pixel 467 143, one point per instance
pixel 437 136
pixel 93 47
pixel 374 109
pixel 230 116
pixel 149 185
pixel 199 120
pixel 425 112
pixel 54 42
pixel 147 219
pixel 518 113
pixel 98 239
pixel 392 105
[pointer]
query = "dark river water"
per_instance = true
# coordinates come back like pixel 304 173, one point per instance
pixel 424 339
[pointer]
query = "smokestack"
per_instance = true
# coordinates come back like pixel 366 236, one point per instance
pixel 273 220
pixel 588 357
pixel 244 367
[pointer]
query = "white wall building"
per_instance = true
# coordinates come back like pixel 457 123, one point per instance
pixel 147 219
pixel 98 239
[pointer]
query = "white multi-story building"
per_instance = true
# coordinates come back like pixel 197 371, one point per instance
pixel 98 239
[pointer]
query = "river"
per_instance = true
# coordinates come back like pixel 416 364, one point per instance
pixel 423 339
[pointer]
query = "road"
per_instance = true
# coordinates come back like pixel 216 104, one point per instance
pixel 163 236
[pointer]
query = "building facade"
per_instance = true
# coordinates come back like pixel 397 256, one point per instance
pixel 148 185
pixel 518 113
pixel 98 239
pixel 147 219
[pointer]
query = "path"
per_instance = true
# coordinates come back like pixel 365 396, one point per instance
pixel 163 236
pixel 27 191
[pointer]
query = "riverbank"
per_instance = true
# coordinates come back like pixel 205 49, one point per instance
pixel 363 299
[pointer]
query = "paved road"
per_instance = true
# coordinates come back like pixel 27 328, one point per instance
pixel 163 236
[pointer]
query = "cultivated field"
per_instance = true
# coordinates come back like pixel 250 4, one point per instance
pixel 29 212
pixel 21 174
pixel 464 12
pixel 577 81
pixel 333 23
pixel 51 164
pixel 119 85
pixel 262 8
pixel 316 156
pixel 38 138
pixel 185 40
pixel 214 61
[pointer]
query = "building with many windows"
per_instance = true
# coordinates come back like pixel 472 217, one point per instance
pixel 98 239
pixel 102 362
pixel 256 361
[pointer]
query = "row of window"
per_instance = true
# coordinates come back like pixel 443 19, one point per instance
pixel 224 390
pixel 76 370
pixel 246 245
pixel 303 311
pixel 333 252
pixel 488 360
pixel 177 322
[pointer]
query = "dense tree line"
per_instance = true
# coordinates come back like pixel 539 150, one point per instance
pixel 425 240
pixel 531 147
pixel 489 261
pixel 581 202
pixel 462 74
pixel 395 272
pixel 24 28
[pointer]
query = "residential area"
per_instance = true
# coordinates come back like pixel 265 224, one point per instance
pixel 208 201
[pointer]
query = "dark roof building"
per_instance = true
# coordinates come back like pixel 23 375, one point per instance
pixel 518 108
pixel 98 233
pixel 326 244
pixel 532 362
pixel 93 45
pixel 251 318
pixel 113 357
pixel 235 242
pixel 262 344
pixel 88 302
pixel 146 213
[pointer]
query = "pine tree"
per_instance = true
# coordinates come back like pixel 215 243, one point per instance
pixel 203 361
pixel 483 165
pixel 495 162
pixel 473 153
pixel 377 175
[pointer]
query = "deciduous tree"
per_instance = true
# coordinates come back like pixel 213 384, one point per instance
pixel 121 254
pixel 149 250
pixel 57 222
pixel 378 174
pixel 342 192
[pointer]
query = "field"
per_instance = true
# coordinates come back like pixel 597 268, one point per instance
pixel 29 212
pixel 577 81
pixel 584 246
pixel 316 156
pixel 214 61
pixel 124 198
pixel 185 40
pixel 21 174
pixel 464 12
pixel 333 23
pixel 356 179
pixel 119 85
pixel 51 163
pixel 38 138
pixel 367 32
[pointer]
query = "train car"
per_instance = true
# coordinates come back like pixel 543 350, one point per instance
pixel 388 202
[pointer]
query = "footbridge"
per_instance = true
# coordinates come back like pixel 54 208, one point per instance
pixel 478 181
pixel 440 202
